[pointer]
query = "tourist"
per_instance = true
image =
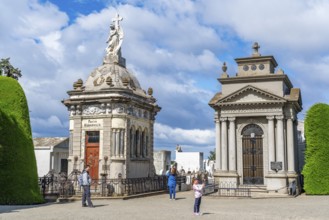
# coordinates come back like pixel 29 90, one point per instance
pixel 172 183
pixel 198 195
pixel 86 181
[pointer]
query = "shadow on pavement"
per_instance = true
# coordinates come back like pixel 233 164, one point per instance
pixel 207 213
pixel 15 208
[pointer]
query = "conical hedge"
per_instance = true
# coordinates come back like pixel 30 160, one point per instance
pixel 18 169
pixel 316 172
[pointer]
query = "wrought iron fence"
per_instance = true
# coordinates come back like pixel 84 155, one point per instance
pixel 66 186
pixel 231 189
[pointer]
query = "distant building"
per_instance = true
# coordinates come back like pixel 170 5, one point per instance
pixel 162 161
pixel 51 153
pixel 189 161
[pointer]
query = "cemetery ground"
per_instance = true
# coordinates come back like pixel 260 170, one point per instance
pixel 160 207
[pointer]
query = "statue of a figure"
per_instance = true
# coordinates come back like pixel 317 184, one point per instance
pixel 115 37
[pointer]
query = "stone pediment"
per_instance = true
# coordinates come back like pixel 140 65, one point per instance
pixel 250 95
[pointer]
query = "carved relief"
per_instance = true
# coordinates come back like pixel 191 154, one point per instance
pixel 118 108
pixel 99 81
pixel 93 110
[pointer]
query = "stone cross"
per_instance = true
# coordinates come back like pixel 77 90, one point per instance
pixel 116 21
pixel 255 47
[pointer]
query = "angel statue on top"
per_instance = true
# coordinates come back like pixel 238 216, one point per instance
pixel 115 38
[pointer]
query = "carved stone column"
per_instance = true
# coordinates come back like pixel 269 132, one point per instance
pixel 271 141
pixel 280 141
pixel 224 144
pixel 290 146
pixel 232 148
pixel 217 134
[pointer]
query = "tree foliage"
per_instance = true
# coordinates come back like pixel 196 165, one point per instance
pixel 316 175
pixel 6 69
pixel 212 155
pixel 18 169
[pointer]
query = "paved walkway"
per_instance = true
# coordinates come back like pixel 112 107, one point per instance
pixel 160 207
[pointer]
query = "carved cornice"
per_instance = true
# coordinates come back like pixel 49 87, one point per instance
pixel 259 78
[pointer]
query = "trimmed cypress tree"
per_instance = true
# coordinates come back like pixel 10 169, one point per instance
pixel 316 175
pixel 18 169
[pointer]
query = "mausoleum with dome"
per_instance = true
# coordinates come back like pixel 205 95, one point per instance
pixel 111 118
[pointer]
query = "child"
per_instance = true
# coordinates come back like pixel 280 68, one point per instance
pixel 198 195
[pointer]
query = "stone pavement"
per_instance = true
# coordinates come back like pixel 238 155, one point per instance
pixel 160 207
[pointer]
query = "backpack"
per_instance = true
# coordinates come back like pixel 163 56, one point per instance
pixel 80 179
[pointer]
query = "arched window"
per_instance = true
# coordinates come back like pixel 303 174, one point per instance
pixel 132 142
pixel 137 143
pixel 143 144
pixel 252 129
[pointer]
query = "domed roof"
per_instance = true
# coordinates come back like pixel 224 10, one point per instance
pixel 113 76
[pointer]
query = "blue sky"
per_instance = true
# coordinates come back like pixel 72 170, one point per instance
pixel 177 47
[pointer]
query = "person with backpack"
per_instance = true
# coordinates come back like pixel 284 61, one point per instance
pixel 85 183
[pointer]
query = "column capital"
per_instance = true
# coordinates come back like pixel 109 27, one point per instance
pixel 231 119
pixel 270 117
pixel 223 118
pixel 292 117
pixel 279 117
pixel 216 116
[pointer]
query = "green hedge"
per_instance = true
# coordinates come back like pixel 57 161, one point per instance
pixel 18 169
pixel 316 169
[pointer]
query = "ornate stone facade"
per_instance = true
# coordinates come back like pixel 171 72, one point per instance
pixel 256 121
pixel 112 118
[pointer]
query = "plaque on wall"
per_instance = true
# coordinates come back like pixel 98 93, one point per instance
pixel 276 166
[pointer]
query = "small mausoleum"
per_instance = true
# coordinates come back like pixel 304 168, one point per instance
pixel 111 118
pixel 256 125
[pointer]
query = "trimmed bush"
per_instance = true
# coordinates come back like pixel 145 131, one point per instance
pixel 18 169
pixel 316 175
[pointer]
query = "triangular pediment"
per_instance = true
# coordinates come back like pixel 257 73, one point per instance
pixel 250 95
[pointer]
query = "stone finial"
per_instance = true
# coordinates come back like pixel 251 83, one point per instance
pixel 224 67
pixel 224 74
pixel 280 72
pixel 255 47
pixel 150 91
pixel 78 84
pixel 109 81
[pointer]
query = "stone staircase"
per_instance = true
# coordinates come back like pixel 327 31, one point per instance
pixel 258 192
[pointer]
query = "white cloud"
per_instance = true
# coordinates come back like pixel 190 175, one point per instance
pixel 184 136
pixel 294 25
pixel 177 50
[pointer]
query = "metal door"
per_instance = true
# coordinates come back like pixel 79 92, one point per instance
pixel 252 151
